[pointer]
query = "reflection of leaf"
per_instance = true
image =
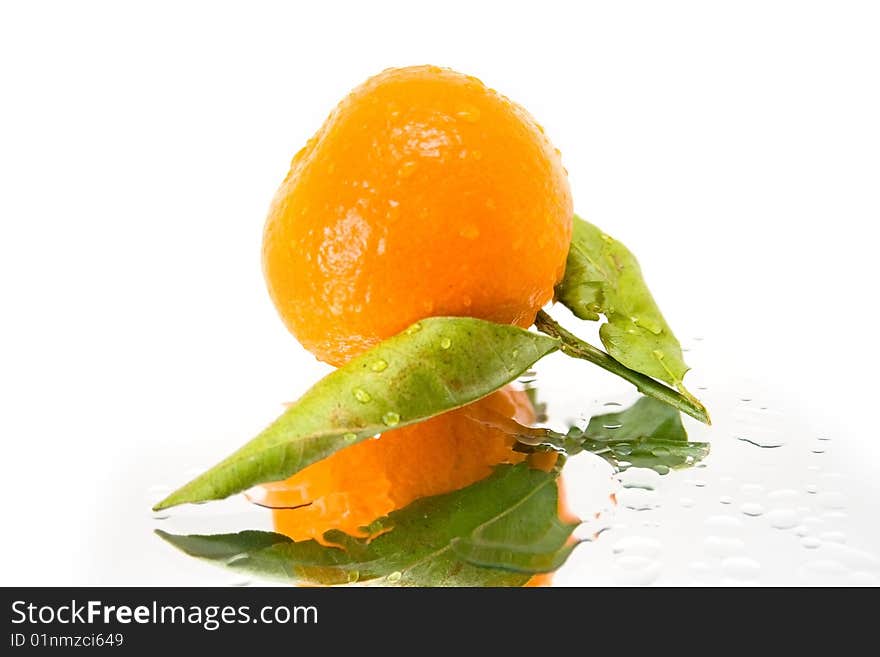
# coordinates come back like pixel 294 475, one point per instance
pixel 647 418
pixel 497 532
pixel 602 277
pixel 648 434
pixel 432 367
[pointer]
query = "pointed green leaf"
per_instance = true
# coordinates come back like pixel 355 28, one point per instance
pixel 496 532
pixel 434 366
pixel 602 277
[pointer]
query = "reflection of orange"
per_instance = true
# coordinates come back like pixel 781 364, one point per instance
pixel 424 193
pixel 366 481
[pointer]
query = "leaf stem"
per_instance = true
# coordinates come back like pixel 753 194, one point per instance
pixel 575 347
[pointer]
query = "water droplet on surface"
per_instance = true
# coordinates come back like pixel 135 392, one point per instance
pixel 445 343
pixel 741 568
pixel 801 530
pixel 379 365
pixel 725 499
pixel 240 582
pixel 700 568
pixel 161 515
pixel 644 478
pixel 832 500
pixel 723 546
pixel 395 576
pixel 637 546
pixel 638 499
pixel 762 442
pixel 810 542
pixel 391 418
pixel 783 495
pixel 783 518
pixel 726 524
pixel 361 395
pixel 752 509
pixel 636 570
pixel 812 489
pixel 824 570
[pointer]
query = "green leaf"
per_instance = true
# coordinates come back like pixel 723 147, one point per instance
pixel 648 434
pixel 496 532
pixel 434 366
pixel 602 277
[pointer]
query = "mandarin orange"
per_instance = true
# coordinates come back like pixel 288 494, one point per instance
pixel 424 193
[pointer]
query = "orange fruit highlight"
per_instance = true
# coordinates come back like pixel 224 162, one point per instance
pixel 424 193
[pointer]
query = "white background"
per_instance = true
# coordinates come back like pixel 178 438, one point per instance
pixel 734 146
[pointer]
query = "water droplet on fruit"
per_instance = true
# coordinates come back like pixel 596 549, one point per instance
pixel 349 438
pixel 445 343
pixel 379 365
pixel 468 113
pixel 469 232
pixel 362 395
pixel 406 169
pixel 415 328
pixel 391 418
pixel 395 576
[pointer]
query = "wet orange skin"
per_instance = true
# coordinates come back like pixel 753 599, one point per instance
pixel 366 481
pixel 423 194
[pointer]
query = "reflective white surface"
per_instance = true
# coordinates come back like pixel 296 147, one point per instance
pixel 800 510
